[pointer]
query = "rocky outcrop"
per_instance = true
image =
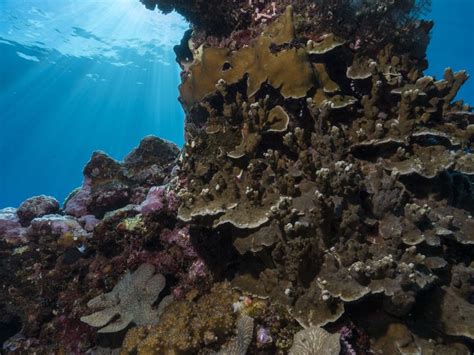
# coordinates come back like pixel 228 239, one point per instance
pixel 37 206
pixel 55 263
pixel 109 184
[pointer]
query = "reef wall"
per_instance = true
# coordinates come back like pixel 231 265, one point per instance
pixel 322 203
pixel 340 172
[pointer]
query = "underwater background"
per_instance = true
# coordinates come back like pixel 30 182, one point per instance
pixel 80 76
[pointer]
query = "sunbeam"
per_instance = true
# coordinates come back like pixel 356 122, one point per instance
pixel 78 77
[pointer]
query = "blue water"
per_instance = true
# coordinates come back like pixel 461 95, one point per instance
pixel 84 75
pixel 452 42
pixel 78 76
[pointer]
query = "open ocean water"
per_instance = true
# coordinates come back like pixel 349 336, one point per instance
pixel 78 76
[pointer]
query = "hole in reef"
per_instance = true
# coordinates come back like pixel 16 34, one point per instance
pixel 10 325
pixel 226 66
pixel 182 51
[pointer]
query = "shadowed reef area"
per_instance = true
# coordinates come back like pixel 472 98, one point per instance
pixel 322 203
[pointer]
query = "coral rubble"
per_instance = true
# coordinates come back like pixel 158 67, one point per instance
pixel 323 200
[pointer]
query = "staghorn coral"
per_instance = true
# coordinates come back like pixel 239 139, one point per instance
pixel 131 299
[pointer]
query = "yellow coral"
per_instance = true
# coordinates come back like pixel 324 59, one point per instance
pixel 289 70
pixel 186 325
pixel 132 224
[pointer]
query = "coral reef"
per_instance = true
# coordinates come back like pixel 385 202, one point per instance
pixel 55 261
pixel 189 325
pixel 36 207
pixel 109 185
pixel 243 338
pixel 338 171
pixel 323 200
pixel 10 227
pixel 366 24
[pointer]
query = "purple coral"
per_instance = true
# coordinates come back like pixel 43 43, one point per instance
pixel 181 238
pixel 159 200
pixel 198 270
pixel 263 337
pixel 56 225
pixel 36 207
pixel 77 205
pixel 346 337
pixel 154 202
pixel 10 228
pixel 88 222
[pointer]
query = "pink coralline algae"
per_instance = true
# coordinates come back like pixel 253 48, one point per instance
pixel 73 334
pixel 263 337
pixel 159 200
pixel 181 238
pixel 10 228
pixel 77 204
pixel 56 225
pixel 198 270
pixel 110 184
pixel 88 222
pixel 36 207
pixel 346 338
pixel 164 262
pixel 179 258
pixel 114 196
